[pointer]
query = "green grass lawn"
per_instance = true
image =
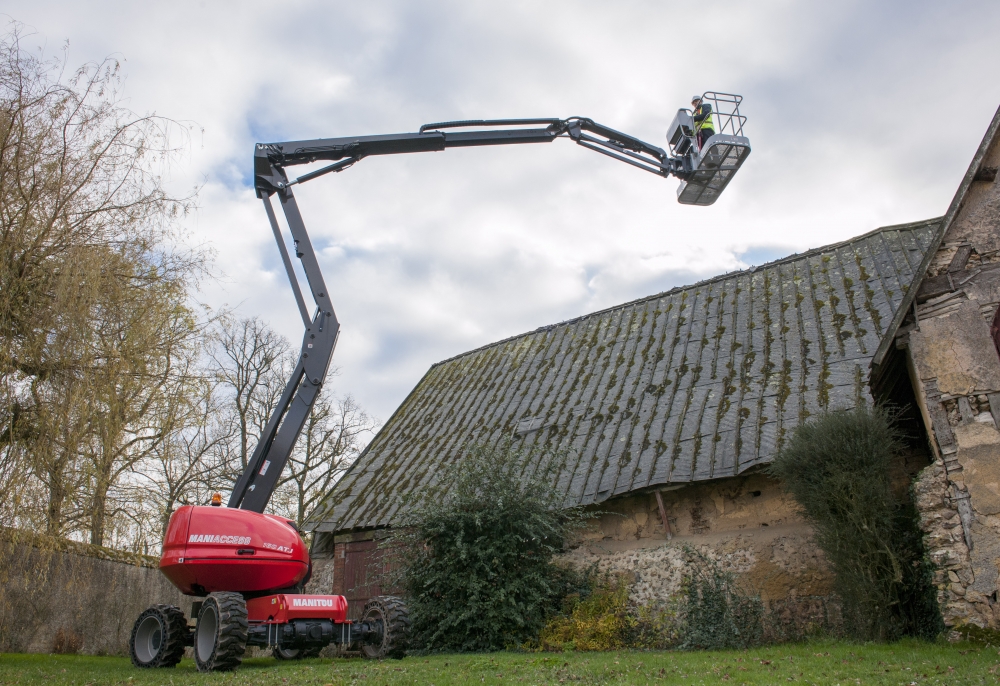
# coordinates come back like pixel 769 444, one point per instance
pixel 825 662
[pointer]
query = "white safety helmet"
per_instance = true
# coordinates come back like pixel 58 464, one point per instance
pixel 695 98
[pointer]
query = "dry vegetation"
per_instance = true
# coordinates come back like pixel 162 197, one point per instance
pixel 121 397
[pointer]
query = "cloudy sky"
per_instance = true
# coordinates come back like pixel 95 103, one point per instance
pixel 861 114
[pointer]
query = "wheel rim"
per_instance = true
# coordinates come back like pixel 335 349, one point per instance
pixel 208 627
pixel 375 616
pixel 148 639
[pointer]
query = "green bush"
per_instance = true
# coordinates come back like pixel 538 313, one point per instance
pixel 837 468
pixel 477 566
pixel 718 613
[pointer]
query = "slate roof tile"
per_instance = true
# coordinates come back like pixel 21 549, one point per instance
pixel 701 382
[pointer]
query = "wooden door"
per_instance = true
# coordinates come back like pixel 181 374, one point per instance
pixel 362 569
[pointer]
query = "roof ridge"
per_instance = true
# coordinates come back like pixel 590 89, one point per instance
pixel 697 284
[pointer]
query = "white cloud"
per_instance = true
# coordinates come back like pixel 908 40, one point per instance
pixel 861 114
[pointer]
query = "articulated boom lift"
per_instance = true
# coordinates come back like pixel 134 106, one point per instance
pixel 248 568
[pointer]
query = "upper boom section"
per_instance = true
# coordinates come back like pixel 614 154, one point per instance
pixel 271 159
pixel 704 162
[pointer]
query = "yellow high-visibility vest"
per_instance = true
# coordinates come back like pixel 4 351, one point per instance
pixel 705 123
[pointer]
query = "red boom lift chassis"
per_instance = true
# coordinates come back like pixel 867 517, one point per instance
pixel 247 569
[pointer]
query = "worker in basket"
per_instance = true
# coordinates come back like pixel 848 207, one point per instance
pixel 703 123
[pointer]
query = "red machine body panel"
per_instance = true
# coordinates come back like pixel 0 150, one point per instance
pixel 285 607
pixel 210 549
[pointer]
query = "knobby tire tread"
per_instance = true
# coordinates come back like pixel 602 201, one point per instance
pixel 232 633
pixel 172 646
pixel 396 626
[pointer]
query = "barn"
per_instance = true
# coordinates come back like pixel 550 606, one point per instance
pixel 667 408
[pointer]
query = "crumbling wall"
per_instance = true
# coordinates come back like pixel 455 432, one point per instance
pixel 955 367
pixel 743 503
pixel 61 596
pixel 749 524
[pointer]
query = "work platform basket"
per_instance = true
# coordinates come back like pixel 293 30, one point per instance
pixel 710 167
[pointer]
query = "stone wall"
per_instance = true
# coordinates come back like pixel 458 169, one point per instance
pixel 749 524
pixel 954 365
pixel 944 537
pixel 60 596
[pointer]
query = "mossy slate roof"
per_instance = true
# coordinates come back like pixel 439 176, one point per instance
pixel 697 383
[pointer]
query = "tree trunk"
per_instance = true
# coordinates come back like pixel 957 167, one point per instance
pixel 53 513
pixel 168 510
pixel 98 514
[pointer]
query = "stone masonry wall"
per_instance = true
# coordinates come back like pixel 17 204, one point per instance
pixel 748 524
pixel 60 596
pixel 955 369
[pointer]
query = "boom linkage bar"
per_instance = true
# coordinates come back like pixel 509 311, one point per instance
pixel 259 479
pixel 270 159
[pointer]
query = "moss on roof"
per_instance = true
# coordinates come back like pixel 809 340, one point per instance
pixel 697 383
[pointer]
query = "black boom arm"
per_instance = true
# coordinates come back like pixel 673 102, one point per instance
pixel 257 483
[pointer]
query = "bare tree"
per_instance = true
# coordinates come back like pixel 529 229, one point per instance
pixel 60 433
pixel 182 468
pixel 51 402
pixel 144 348
pixel 335 433
pixel 251 363
pixel 75 171
pixel 188 461
pixel 108 416
pixel 20 494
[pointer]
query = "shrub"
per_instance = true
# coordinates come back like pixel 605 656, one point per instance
pixel 718 613
pixel 477 566
pixel 597 619
pixel 712 612
pixel 66 642
pixel 601 617
pixel 837 468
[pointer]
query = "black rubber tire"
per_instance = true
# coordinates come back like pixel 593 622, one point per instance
pixel 391 612
pixel 220 639
pixel 157 638
pixel 280 653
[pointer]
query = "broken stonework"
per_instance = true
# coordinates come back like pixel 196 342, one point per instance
pixel 965 363
pixel 749 525
pixel 945 543
pixel 782 566
pixel 954 358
